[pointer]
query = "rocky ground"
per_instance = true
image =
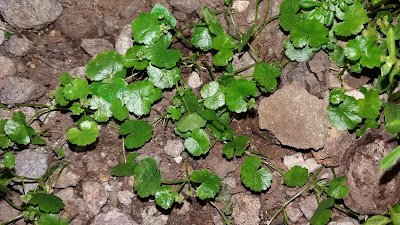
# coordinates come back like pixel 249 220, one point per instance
pixel 54 37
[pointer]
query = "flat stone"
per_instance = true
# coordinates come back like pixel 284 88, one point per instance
pixel 18 46
pixel 15 90
pixel 94 196
pixel 240 6
pixel 185 6
pixel 70 201
pixel 302 118
pixel 30 14
pixel 95 46
pixel 194 80
pixel 293 212
pixel 308 205
pixel 246 209
pixel 335 145
pixel 174 148
pixel 113 217
pixel 31 163
pixel 124 40
pixel 7 66
pixel 70 177
pixel 125 197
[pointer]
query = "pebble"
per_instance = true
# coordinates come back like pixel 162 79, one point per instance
pixel 124 40
pixel 246 209
pixel 96 46
pixel 7 66
pixel 30 14
pixel 94 196
pixel 14 90
pixel 194 80
pixel 240 6
pixel 113 217
pixel 18 46
pixel 185 6
pixel 125 197
pixel 174 148
pixel 31 163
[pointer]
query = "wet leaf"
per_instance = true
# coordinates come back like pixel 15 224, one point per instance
pixel 239 143
pixel 139 132
pixel 106 66
pixel 48 203
pixel 254 178
pixel 209 183
pixel 296 176
pixel 147 178
pixel 198 143
pixel 85 135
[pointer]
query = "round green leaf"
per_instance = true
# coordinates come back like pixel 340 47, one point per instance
pixel 353 20
pixel 190 122
pixel 139 132
pixel 131 59
pixel 312 32
pixel 77 89
pixel 364 49
pixel 17 129
pixel 146 28
pixel 369 107
pixel 223 57
pixel 119 111
pixel 336 96
pixel 296 176
pixel 164 197
pixel 214 95
pixel 198 143
pixel 345 116
pixel 103 112
pixel 113 90
pixel 76 108
pixel 266 74
pixel 201 38
pixel 239 143
pixel 52 219
pixel 139 96
pixel 336 189
pixel 209 183
pixel 159 9
pixel 5 142
pixel 147 178
pixel 106 65
pixel 163 78
pixel 299 55
pixel 162 57
pixel 223 41
pixel 86 135
pixel 9 160
pixel 237 92
pixel 378 220
pixel 47 202
pixel 254 178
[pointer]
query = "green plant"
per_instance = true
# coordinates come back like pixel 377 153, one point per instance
pixel 109 97
pixel 321 25
pixel 391 217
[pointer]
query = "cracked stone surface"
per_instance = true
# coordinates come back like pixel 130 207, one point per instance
pixel 302 119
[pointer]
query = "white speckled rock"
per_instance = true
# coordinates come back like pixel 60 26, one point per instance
pixel 124 40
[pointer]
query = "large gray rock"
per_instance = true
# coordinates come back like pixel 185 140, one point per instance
pixel 7 67
pixel 31 163
pixel 312 75
pixel 185 6
pixel 113 217
pixel 94 196
pixel 95 46
pixel 15 90
pixel 336 143
pixel 246 209
pixel 18 46
pixel 371 189
pixel 124 40
pixel 295 117
pixel 30 13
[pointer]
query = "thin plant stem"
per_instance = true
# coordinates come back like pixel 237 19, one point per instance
pixel 39 113
pixel 12 204
pixel 187 170
pixel 220 212
pixel 22 177
pixel 179 34
pixel 254 51
pixel 58 175
pixel 123 149
pixel 34 105
pixel 273 167
pixel 245 68
pixel 13 219
pixel 265 17
pixel 289 201
pixel 4 107
pixel 181 186
pixel 265 24
pixel 255 19
pixel 173 181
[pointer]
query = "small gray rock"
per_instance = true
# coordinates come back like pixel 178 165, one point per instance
pixel 18 46
pixel 70 210
pixel 125 197
pixel 194 80
pixel 113 217
pixel 30 14
pixel 79 72
pixel 246 209
pixel 293 212
pixel 95 46
pixel 240 6
pixel 149 215
pixel 31 163
pixel 15 90
pixel 302 118
pixel 242 60
pixel 124 40
pixel 69 177
pixel 174 148
pixel 308 205
pixel 185 6
pixel 7 66
pixel 294 160
pixel 94 196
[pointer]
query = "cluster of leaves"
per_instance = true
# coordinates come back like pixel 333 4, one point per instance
pixel 38 205
pixel 17 130
pixel 316 25
pixel 326 192
pixel 392 217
